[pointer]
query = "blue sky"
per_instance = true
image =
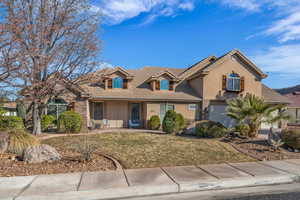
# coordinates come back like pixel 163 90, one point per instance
pixel 178 33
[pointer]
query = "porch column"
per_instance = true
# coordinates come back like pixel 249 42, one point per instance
pixel 88 120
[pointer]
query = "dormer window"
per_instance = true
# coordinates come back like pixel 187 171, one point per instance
pixel 234 82
pixel 164 84
pixel 117 82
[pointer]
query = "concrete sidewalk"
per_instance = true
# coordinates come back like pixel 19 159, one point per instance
pixel 143 182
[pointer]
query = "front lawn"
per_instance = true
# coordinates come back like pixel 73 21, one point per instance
pixel 140 150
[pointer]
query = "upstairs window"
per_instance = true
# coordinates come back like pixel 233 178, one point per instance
pixel 117 82
pixel 164 84
pixel 234 83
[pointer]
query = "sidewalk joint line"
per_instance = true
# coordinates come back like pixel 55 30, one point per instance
pixel 208 172
pixel 171 179
pixel 240 169
pixel 126 178
pixel 276 168
pixel 25 188
pixel 78 186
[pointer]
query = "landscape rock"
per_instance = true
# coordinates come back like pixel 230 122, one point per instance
pixel 4 138
pixel 190 129
pixel 41 153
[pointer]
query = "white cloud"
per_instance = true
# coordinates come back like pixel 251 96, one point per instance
pixel 250 5
pixel 283 59
pixel 117 11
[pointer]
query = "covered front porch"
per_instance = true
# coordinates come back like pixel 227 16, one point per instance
pixel 116 114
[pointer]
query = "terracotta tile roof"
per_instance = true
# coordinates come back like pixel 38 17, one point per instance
pixel 271 96
pixel 11 105
pixel 140 90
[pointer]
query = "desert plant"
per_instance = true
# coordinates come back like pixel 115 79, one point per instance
pixel 169 122
pixel 242 129
pixel 154 122
pixel 210 129
pixel 11 123
pixel 291 138
pixel 276 144
pixel 251 110
pixel 19 140
pixel 86 148
pixel 70 122
pixel 180 122
pixel 47 121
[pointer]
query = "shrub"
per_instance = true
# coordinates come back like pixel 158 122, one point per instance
pixel 11 122
pixel 291 138
pixel 210 129
pixel 180 122
pixel 154 122
pixel 70 122
pixel 19 140
pixel 47 120
pixel 86 148
pixel 243 129
pixel 169 122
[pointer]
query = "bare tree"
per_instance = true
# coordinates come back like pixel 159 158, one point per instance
pixel 43 42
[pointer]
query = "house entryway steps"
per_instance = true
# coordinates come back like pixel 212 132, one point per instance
pixel 151 181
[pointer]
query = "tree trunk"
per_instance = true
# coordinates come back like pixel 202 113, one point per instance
pixel 36 119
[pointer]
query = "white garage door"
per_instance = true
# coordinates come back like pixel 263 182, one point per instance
pixel 218 113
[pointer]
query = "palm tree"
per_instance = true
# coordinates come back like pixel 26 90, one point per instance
pixel 253 111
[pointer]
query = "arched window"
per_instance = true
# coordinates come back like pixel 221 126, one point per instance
pixel 118 82
pixel 164 84
pixel 56 106
pixel 234 82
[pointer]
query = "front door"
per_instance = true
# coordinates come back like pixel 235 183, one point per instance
pixel 135 112
pixel 98 111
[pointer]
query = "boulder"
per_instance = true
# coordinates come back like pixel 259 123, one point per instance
pixel 4 138
pixel 190 129
pixel 41 153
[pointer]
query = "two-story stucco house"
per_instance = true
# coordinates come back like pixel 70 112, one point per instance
pixel 128 98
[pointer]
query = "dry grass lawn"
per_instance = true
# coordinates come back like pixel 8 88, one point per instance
pixel 141 150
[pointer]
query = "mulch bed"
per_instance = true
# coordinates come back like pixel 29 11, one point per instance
pixel 261 150
pixel 70 163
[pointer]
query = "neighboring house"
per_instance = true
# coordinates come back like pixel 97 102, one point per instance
pixel 128 98
pixel 293 94
pixel 10 108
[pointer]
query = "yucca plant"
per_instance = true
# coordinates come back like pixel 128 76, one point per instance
pixel 253 111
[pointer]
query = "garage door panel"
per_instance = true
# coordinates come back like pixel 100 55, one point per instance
pixel 218 113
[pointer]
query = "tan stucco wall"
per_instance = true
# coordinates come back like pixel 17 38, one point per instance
pixel 197 85
pixel 213 80
pixel 154 109
pixel 117 113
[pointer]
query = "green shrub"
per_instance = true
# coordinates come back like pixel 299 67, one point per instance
pixel 19 140
pixel 291 138
pixel 169 122
pixel 210 129
pixel 243 129
pixel 47 121
pixel 154 122
pixel 11 122
pixel 180 122
pixel 70 122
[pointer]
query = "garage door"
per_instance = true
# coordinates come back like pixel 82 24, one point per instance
pixel 218 113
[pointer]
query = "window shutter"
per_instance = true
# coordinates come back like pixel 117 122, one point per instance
pixel 109 83
pixel 242 84
pixel 157 85
pixel 125 84
pixel 224 82
pixel 171 85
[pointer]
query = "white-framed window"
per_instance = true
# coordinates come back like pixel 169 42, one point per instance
pixel 192 107
pixel 234 82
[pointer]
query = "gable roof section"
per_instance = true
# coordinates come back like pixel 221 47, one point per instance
pixel 271 96
pixel 220 60
pixel 161 73
pixel 118 69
